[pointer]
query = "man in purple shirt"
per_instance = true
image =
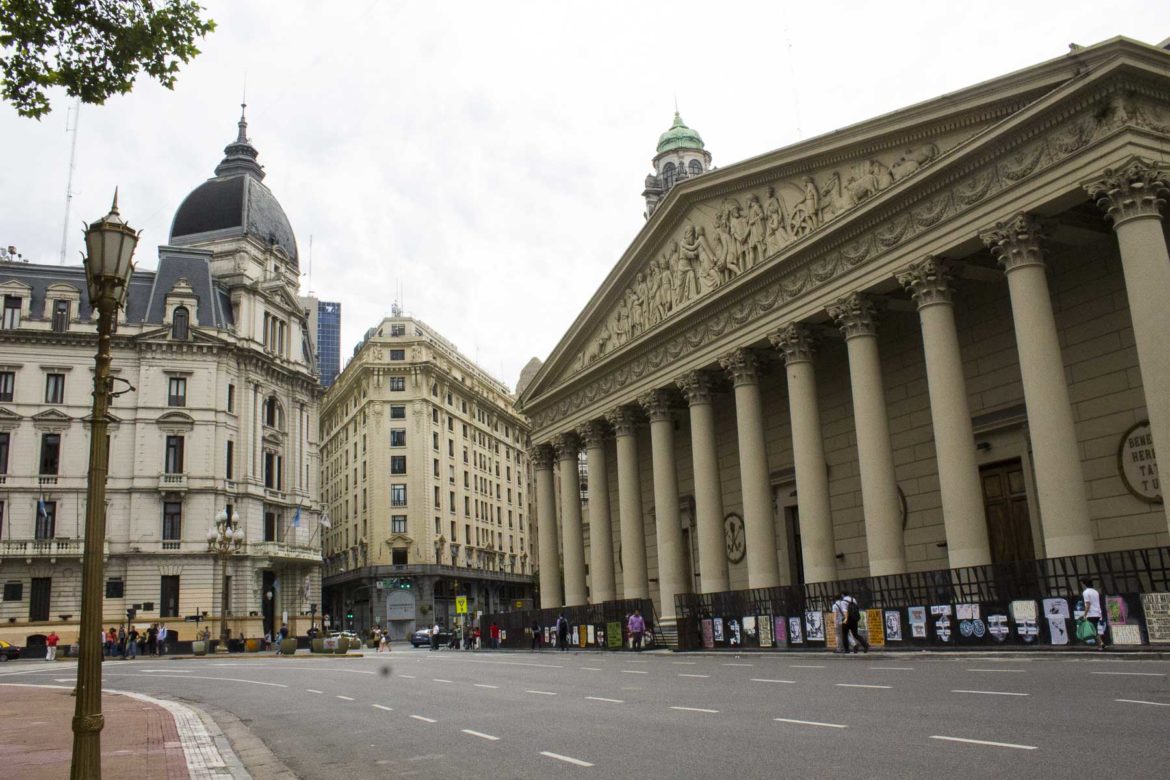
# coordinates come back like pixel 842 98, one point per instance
pixel 636 626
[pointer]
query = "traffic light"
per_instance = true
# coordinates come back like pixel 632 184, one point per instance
pixel 349 614
pixel 131 612
pixel 405 584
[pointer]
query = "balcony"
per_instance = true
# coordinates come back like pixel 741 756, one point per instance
pixel 283 550
pixel 41 549
pixel 46 479
pixel 172 483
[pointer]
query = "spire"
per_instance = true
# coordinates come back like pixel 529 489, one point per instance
pixel 240 156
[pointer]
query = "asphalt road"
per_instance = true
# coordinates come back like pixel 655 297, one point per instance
pixel 417 713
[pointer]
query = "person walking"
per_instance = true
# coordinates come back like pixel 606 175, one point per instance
pixel 840 613
pixel 852 618
pixel 637 628
pixel 112 642
pixel 494 632
pixel 131 644
pixel 152 639
pixel 1092 598
pixel 51 646
pixel 435 637
pixel 562 632
pixel 161 647
pixel 536 635
pixel 122 642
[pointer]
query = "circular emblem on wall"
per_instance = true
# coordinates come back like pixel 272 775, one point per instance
pixel 1138 463
pixel 733 538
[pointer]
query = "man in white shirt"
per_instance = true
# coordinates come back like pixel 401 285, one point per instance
pixel 840 610
pixel 1092 599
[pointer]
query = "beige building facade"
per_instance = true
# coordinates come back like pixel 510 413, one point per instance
pixel 426 483
pixel 933 339
pixel 216 409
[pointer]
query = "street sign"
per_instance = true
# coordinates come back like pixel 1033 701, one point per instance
pixel 460 605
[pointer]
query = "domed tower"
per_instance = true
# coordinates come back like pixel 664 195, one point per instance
pixel 680 156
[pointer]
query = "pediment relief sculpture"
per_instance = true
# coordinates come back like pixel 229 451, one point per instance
pixel 721 240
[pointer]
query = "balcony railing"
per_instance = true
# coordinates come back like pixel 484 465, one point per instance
pixel 285 550
pixel 30 549
pixel 171 483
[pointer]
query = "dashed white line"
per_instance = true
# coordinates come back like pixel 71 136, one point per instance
pixel 694 675
pixel 739 664
pixel 590 669
pixel 611 701
pixel 695 709
pixel 634 671
pixel 894 668
pixel 382 707
pixel 185 676
pixel 985 742
pixel 408 676
pixel 345 698
pixel 480 734
pixel 436 679
pixel 1133 674
pixel 424 720
pixel 484 685
pixel 767 680
pixel 994 693
pixel 1016 671
pixel 566 759
pixel 806 666
pixel 812 723
pixel 859 685
pixel 313 690
pixel 684 663
pixel 1139 701
pixel 543 693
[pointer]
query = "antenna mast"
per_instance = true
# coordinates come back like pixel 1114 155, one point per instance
pixel 69 185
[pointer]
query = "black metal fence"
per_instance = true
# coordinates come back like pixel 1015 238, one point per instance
pixel 997 592
pixel 597 626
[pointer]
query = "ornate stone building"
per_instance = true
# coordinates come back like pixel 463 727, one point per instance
pixel 932 339
pixel 217 408
pixel 426 483
pixel 681 156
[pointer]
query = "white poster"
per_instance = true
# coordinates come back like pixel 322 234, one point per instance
pixel 814 623
pixel 893 625
pixel 1058 629
pixel 794 634
pixel 1056 608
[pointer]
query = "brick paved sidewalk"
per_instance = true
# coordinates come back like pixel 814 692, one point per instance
pixel 139 740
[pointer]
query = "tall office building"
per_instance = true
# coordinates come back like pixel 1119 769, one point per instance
pixel 328 340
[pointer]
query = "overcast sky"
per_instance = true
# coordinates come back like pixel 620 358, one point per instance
pixel 488 158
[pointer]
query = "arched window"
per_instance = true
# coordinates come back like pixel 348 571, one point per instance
pixel 273 414
pixel 180 323
pixel 696 167
pixel 668 175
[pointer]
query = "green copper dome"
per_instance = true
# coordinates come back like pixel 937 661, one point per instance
pixel 679 136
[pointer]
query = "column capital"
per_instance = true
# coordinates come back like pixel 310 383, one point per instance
pixel 657 404
pixel 541 456
pixel 742 365
pixel 1015 242
pixel 1136 189
pixel 624 419
pixel 930 281
pixel 856 314
pixel 796 342
pixel 593 433
pixel 566 446
pixel 696 386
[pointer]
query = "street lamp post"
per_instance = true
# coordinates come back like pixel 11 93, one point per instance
pixel 110 244
pixel 225 539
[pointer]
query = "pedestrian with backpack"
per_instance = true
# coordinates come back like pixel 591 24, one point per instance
pixel 852 618
pixel 840 612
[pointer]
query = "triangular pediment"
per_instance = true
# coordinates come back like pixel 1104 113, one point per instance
pixel 8 416
pixel 713 233
pixel 51 415
pixel 175 421
pixel 399 541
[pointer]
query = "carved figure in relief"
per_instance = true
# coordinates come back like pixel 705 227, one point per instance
pixel 726 255
pixel 868 179
pixel 635 305
pixel 603 338
pixel 621 323
pixel 642 296
pixel 834 198
pixel 653 315
pixel 806 214
pixel 776 224
pixel 665 288
pixel 913 159
pixel 757 231
pixel 741 232
pixel 695 258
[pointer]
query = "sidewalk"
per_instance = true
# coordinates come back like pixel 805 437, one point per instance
pixel 141 738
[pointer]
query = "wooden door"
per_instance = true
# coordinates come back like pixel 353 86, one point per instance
pixel 38 605
pixel 1005 501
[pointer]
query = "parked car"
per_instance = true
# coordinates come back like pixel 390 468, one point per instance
pixel 9 651
pixel 423 637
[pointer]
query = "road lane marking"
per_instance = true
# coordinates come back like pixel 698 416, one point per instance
pixel 859 685
pixel 436 679
pixel 484 685
pixel 1139 701
pixel 345 698
pixel 738 664
pixel 985 742
pixel 566 759
pixel 408 676
pixel 611 701
pixel 1017 671
pixel 65 679
pixel 895 668
pixel 382 707
pixel 223 679
pixel 424 720
pixel 695 709
pixel 313 690
pixel 694 675
pixel 543 693
pixel 163 671
pixel 765 679
pixel 480 734
pixel 798 666
pixel 590 669
pixel 994 693
pixel 812 723
pixel 634 671
pixel 684 663
pixel 1133 674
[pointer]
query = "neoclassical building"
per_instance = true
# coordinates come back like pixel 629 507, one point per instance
pixel 427 485
pixel 217 409
pixel 933 339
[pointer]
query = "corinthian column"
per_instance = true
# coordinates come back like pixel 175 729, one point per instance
pixel 672 576
pixel 696 386
pixel 1133 197
pixel 931 283
pixel 759 530
pixel 635 584
pixel 1064 513
pixel 855 315
pixel 818 550
pixel 572 540
pixel 546 525
pixel 604 587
